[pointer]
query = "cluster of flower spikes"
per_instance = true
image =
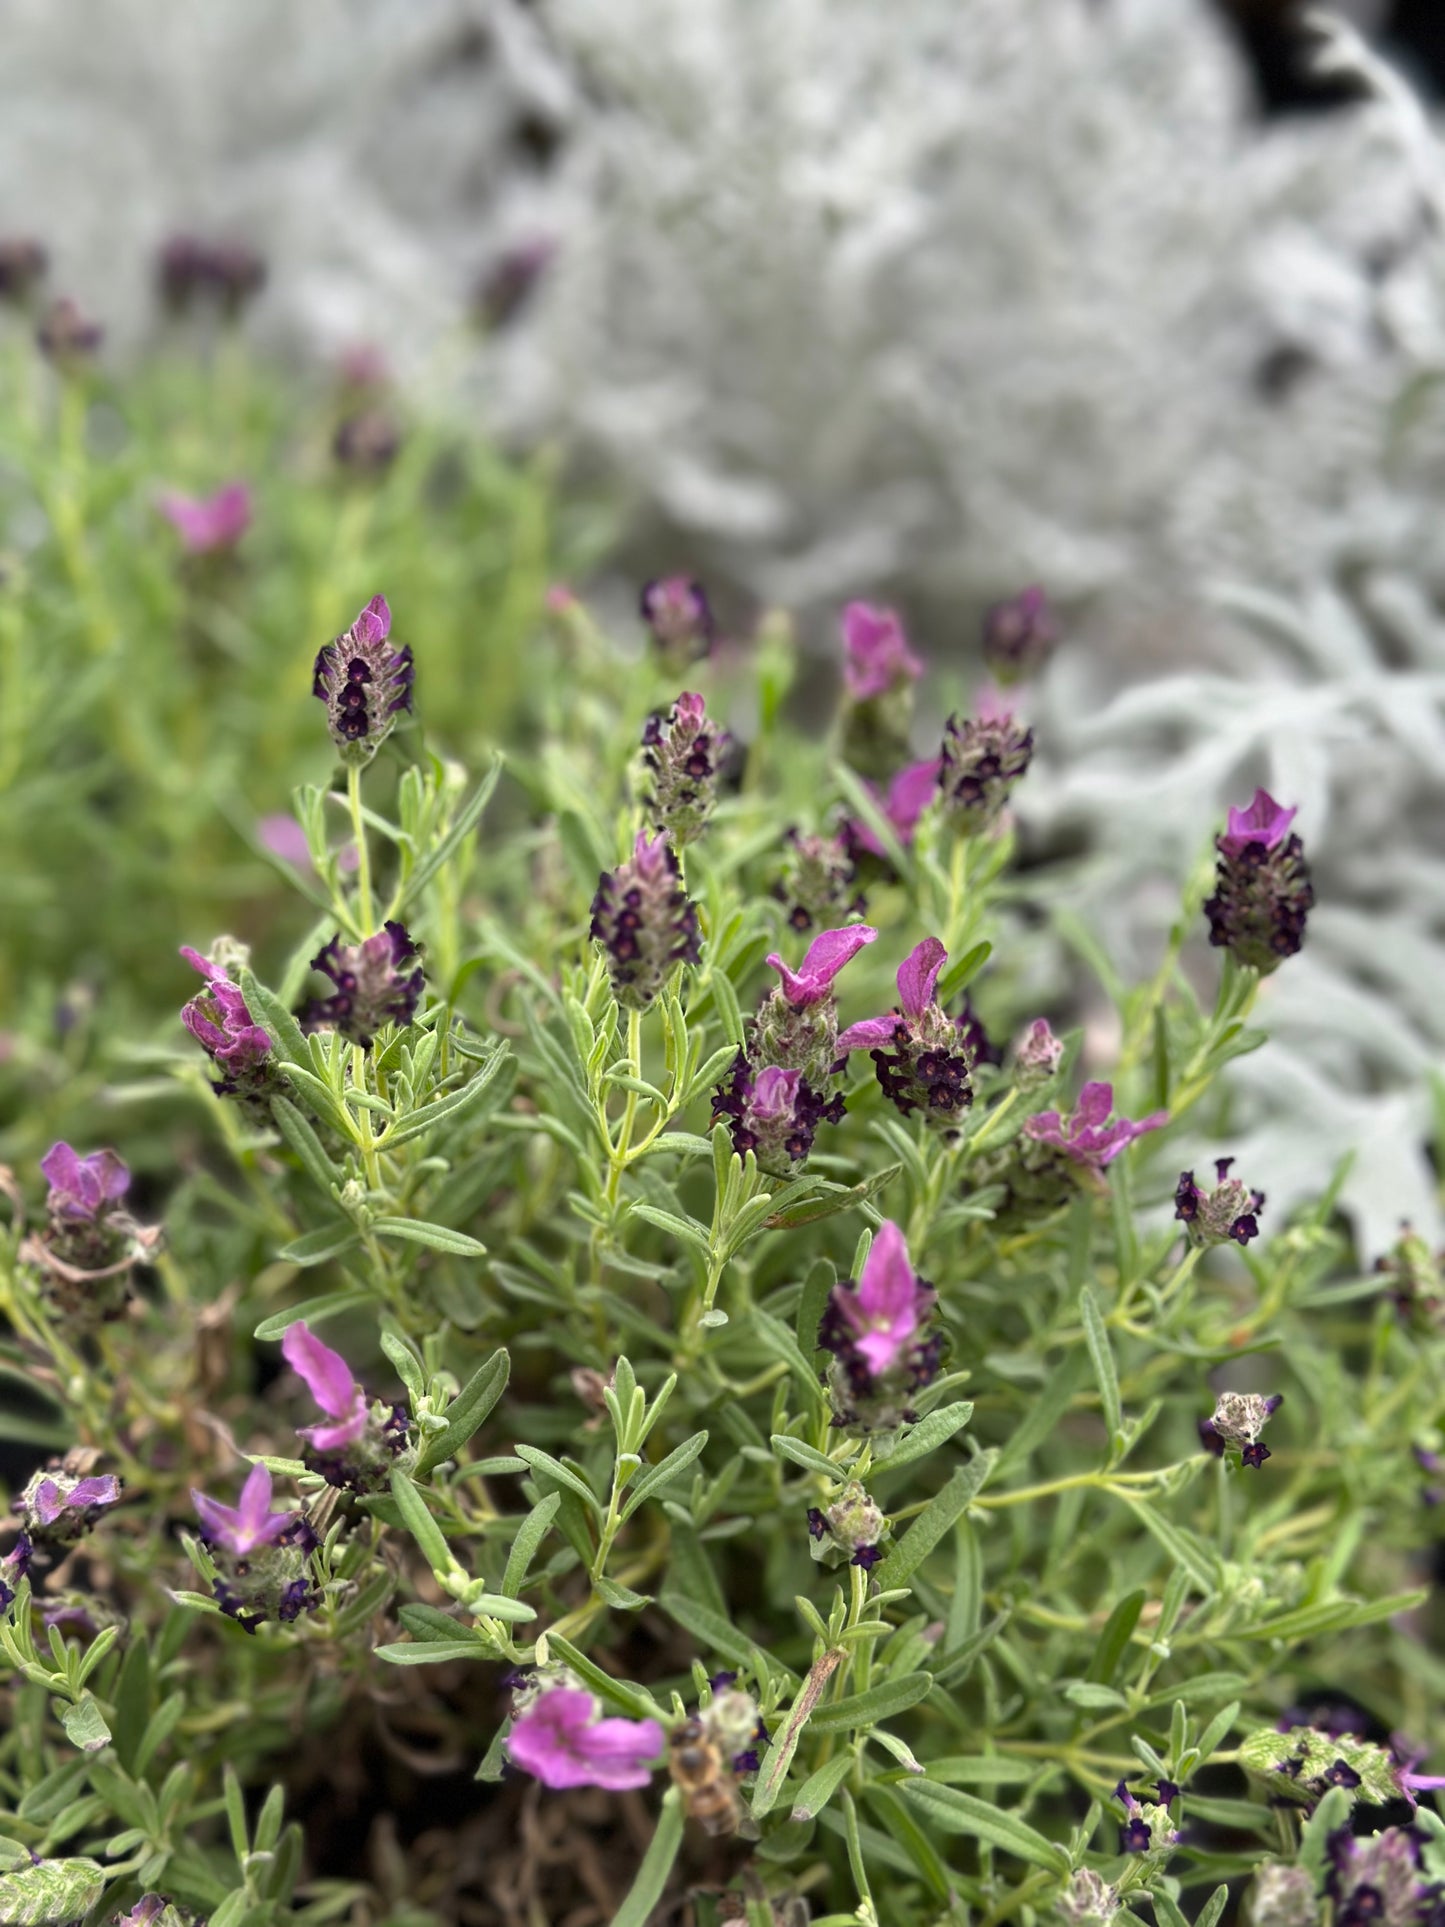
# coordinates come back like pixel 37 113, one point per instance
pixel 1238 1419
pixel 1147 1826
pixel 920 1053
pixel 782 1084
pixel 365 683
pixel 373 985
pixel 262 1558
pixel 683 753
pixel 981 759
pixel 646 922
pixel 221 1024
pixel 360 1442
pixel 877 1330
pixel 1229 1212
pixel 679 618
pixel 851 1528
pixel 1262 890
pixel 818 877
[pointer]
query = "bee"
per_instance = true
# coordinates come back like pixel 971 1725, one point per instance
pixel 700 1770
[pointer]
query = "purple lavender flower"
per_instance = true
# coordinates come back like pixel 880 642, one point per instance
pixel 372 987
pixel 682 752
pixel 1146 1827
pixel 978 1046
pixel 1019 635
pixel 774 1114
pixel 1237 1420
pixel 1230 1210
pixel 877 658
pixel 796 1025
pixel 209 522
pixel 676 611
pixel 561 1741
pixel 245 1528
pixel 645 921
pixel 981 760
pixel 812 982
pixel 23 263
pixel 507 283
pixel 14 1566
pixel 920 1057
pixel 819 873
pixel 1089 1137
pixel 190 270
pixel 909 794
pixel 852 1526
pixel 240 1049
pixel 1378 1882
pixel 359 1448
pixel 145 1912
pixel 875 1330
pixel 367 442
pixel 1037 1056
pixel 365 683
pixel 82 1187
pixel 59 1508
pixel 1263 892
pixel 262 1557
pixel 67 337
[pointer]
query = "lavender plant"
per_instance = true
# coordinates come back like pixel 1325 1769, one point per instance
pixel 631 1414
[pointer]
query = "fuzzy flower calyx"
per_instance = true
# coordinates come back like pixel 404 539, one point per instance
pixel 210 522
pixel 365 683
pixel 682 752
pixel 1262 889
pixel 817 879
pixel 58 1508
pixel 358 1445
pixel 1238 1420
pixel 1147 1826
pixel 1305 1761
pixel 1088 1900
pixel 1019 635
pixel 981 760
pixel 877 1332
pixel 677 613
pixel 262 1557
pixel 853 1526
pixel 1230 1211
pixel 920 1056
pixel 562 1741
pixel 645 921
pixel 373 985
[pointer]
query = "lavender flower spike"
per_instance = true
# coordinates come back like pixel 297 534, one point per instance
pixel 1090 1137
pixel 646 922
pixel 248 1526
pixel 372 987
pixel 1019 635
pixel 1262 889
pixel 885 1311
pixel 81 1187
pixel 877 656
pixel 561 1741
pixel 365 683
pixel 875 1331
pixel 981 760
pixel 774 1114
pixel 683 751
pixel 329 1381
pixel 917 1049
pixel 221 1024
pixel 1230 1210
pixel 213 522
pixel 826 956
pixel 58 1508
pixel 676 610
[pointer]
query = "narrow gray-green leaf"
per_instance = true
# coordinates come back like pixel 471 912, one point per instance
pixel 646 1889
pixel 530 1534
pixel 933 1522
pixel 468 1411
pixel 1101 1355
pixel 957 1812
pixel 436 1237
pixel 678 1460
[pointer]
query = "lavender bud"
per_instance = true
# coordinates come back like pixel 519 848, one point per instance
pixel 1087 1901
pixel 1416 1279
pixel 878 1332
pixel 1238 1419
pixel 817 879
pixel 372 988
pixel 1037 1056
pixel 1262 889
pixel 645 921
pixel 1229 1211
pixel 682 754
pixel 67 337
pixel 23 262
pixel 981 760
pixel 239 1048
pixel 1019 636
pixel 189 270
pixel 367 442
pixel 774 1114
pixel 365 683
pixel 507 283
pixel 676 610
pixel 852 1525
pixel 1282 1896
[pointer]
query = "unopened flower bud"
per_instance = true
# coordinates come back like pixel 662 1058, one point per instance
pixel 1019 636
pixel 645 921
pixel 682 752
pixel 1087 1901
pixel 1415 1279
pixel 367 442
pixel 67 337
pixel 981 760
pixel 365 683
pixel 1238 1420
pixel 818 877
pixel 676 611
pixel 373 985
pixel 23 262
pixel 852 1525
pixel 1037 1056
pixel 1282 1896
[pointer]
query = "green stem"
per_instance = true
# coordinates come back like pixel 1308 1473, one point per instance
pixel 363 853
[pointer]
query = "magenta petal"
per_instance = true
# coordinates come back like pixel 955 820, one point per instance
pixel 327 1374
pixel 909 795
pixel 620 1751
pixel 872 1033
pixel 1265 821
pixel 918 976
pixel 560 1741
pixel 203 964
pixel 831 949
pixel 374 622
pixel 774 1092
pixel 104 1490
pixel 60 1167
pixel 336 1438
pixel 220 1522
pixel 46 1502
pixel 1094 1105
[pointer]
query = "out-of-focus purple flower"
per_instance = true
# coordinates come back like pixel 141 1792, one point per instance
pixel 363 365
pixel 981 760
pixel 917 1049
pixel 209 522
pixel 1230 1211
pixel 561 1741
pixel 882 1353
pixel 372 986
pixel 676 611
pixel 774 1114
pixel 1037 1056
pixel 249 1525
pixel 1237 1420
pixel 66 336
pixel 645 921
pixel 364 682
pixel 23 262
pixel 367 441
pixel 221 1024
pixel 1378 1882
pixel 82 1187
pixel 1089 1136
pixel 283 836
pixel 826 955
pixel 819 873
pixel 228 272
pixel 15 1566
pixel 1407 1755
pixel 1416 1276
pixel 1262 889
pixel 58 1508
pixel 877 657
pixel 909 795
pixel 1019 635
pixel 329 1381
pixel 683 752
pixel 146 1910
pixel 507 283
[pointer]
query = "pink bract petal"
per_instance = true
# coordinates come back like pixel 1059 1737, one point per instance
pixel 827 954
pixel 1265 821
pixel 873 1033
pixel 918 976
pixel 560 1741
pixel 374 622
pixel 327 1374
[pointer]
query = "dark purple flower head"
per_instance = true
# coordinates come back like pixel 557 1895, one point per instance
pixel 562 1741
pixel 1262 889
pixel 1019 635
pixel 23 262
pixel 1134 1836
pixel 365 683
pixel 240 1049
pixel 367 442
pixel 1147 1825
pixel 58 1508
pixel 917 1050
pixel 209 522
pixel 981 760
pixel 226 272
pixel 909 794
pixel 645 921
pixel 877 658
pixel 373 984
pixel 818 878
pixel 682 752
pixel 1237 1420
pixel 1378 1881
pixel 1090 1136
pixel 507 283
pixel 773 1113
pixel 66 336
pixel 676 611
pixel 82 1187
pixel 15 1566
pixel 877 1332
pixel 1230 1211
